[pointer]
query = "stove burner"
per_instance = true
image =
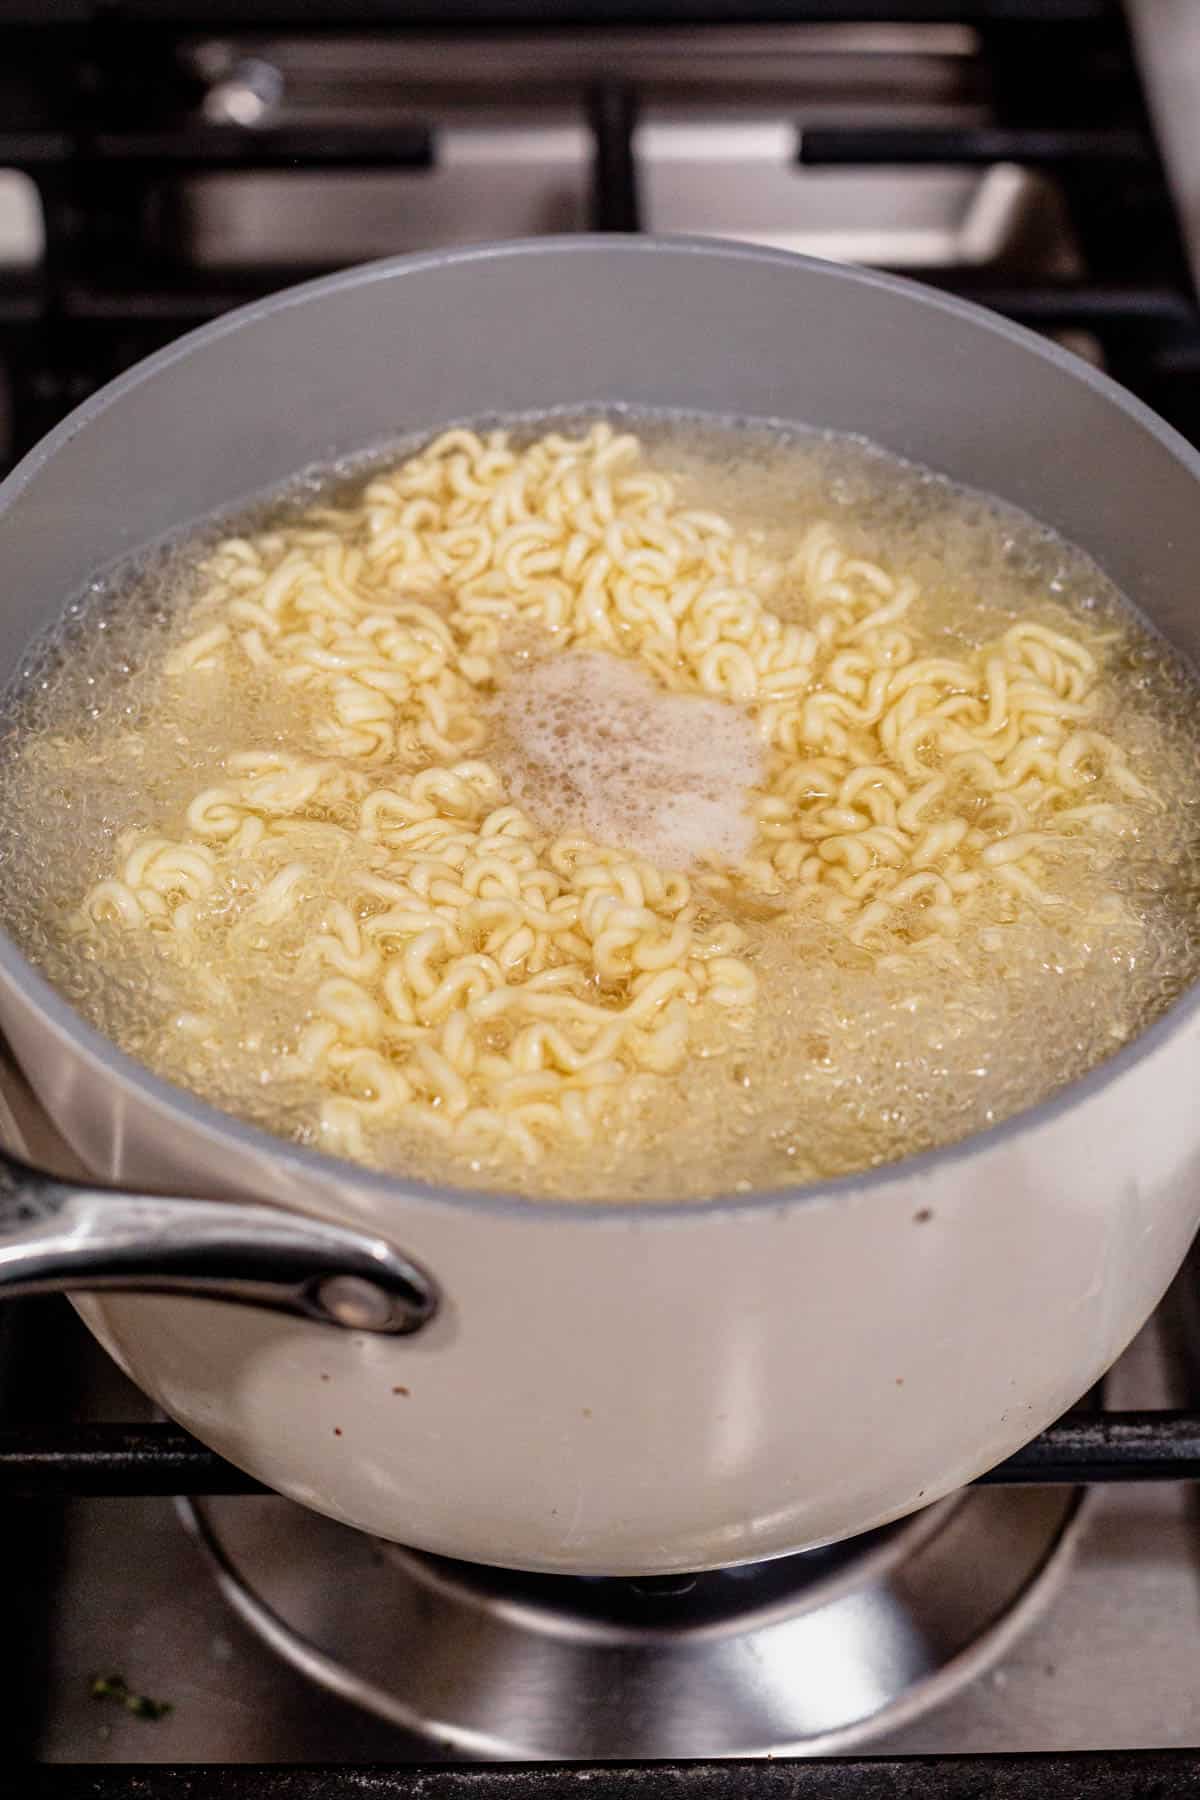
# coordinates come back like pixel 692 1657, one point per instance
pixel 808 1654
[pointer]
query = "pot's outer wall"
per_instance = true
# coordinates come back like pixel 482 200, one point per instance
pixel 650 1391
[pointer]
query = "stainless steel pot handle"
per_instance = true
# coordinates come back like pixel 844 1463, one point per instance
pixel 58 1235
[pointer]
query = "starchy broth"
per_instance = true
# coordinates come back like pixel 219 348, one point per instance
pixel 636 810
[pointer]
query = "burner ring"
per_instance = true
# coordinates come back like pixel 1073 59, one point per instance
pixel 825 1655
pixel 716 1602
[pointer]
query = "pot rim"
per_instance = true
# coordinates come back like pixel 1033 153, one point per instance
pixel 219 1127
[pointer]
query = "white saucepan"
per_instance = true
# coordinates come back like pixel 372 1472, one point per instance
pixel 604 1389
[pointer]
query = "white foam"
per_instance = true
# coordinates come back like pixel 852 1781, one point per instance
pixel 592 744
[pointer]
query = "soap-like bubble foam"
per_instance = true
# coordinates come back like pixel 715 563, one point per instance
pixel 590 743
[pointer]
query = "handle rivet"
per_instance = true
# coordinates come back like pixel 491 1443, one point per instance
pixel 355 1303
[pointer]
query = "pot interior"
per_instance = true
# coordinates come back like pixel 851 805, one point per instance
pixel 399 347
pixel 396 349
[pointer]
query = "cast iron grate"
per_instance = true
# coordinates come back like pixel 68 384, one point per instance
pixel 39 1462
pixel 1133 1775
pixel 100 107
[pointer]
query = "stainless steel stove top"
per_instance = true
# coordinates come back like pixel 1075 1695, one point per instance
pixel 715 144
pixel 1108 1660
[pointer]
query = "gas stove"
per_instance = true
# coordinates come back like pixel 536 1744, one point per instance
pixel 1014 1618
pixel 160 163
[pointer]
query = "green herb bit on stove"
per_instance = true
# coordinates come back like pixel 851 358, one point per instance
pixel 116 1688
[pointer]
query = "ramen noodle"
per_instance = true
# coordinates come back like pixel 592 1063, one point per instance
pixel 544 793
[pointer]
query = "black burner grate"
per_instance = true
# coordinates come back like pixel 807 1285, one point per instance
pixel 115 1459
pixel 1130 1775
pixel 100 107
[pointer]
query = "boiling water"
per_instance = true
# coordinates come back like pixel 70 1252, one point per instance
pixel 850 1057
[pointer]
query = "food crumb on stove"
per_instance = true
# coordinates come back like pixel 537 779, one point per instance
pixel 899 1381
pixel 117 1689
pixel 324 1376
pixel 401 1390
pixel 337 1431
pixel 923 1216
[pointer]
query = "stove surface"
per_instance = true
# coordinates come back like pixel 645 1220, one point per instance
pixel 115 1587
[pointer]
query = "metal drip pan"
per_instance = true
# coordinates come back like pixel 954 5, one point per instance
pixel 809 1654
